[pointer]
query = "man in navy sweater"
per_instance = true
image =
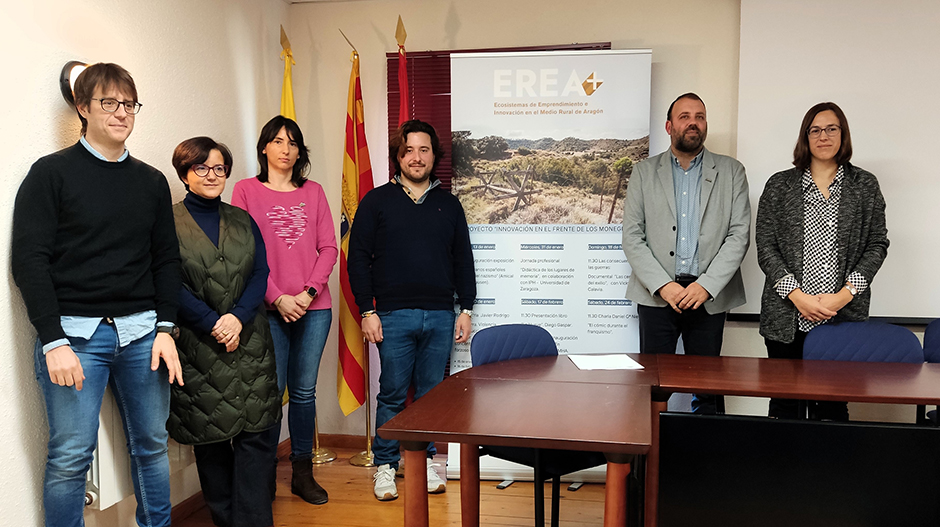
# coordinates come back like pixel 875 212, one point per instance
pixel 96 258
pixel 409 252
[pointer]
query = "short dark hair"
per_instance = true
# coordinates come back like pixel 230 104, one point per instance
pixel 105 75
pixel 801 153
pixel 398 143
pixel 689 95
pixel 268 133
pixel 195 151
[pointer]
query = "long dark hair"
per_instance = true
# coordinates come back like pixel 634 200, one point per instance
pixel 268 133
pixel 801 153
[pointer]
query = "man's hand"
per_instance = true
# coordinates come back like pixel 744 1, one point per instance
pixel 692 297
pixel 372 328
pixel 810 307
pixel 303 299
pixel 65 369
pixel 165 347
pixel 672 294
pixel 288 308
pixel 227 331
pixel 462 328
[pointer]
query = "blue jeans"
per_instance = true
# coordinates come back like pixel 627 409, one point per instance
pixel 415 348
pixel 298 347
pixel 143 399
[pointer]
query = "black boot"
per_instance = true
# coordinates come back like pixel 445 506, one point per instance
pixel 303 484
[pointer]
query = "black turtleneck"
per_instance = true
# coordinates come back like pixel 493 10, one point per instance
pixel 195 312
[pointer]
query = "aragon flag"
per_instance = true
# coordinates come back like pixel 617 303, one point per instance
pixel 357 181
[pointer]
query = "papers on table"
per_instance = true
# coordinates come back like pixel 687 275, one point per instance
pixel 605 362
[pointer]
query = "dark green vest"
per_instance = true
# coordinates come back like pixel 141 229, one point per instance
pixel 225 393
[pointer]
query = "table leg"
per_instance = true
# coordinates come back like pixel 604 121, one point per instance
pixel 615 497
pixel 652 465
pixel 416 484
pixel 469 485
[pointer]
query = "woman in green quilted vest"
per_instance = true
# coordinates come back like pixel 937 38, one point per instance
pixel 230 403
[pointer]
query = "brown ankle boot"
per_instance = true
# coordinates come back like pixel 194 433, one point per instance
pixel 303 484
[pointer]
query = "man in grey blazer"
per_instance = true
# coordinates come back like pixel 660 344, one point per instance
pixel 686 228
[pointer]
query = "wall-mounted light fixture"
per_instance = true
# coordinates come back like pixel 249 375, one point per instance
pixel 70 72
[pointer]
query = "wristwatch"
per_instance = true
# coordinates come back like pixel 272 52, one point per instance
pixel 368 314
pixel 851 288
pixel 311 291
pixel 468 312
pixel 173 330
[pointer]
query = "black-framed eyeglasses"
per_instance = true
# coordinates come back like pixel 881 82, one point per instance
pixel 111 105
pixel 830 130
pixel 219 170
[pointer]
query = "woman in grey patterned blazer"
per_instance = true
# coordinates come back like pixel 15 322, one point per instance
pixel 821 237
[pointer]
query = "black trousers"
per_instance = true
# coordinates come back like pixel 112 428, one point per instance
pixel 660 328
pixel 235 476
pixel 790 408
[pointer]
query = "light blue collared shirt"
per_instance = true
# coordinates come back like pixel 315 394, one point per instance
pixel 128 327
pixel 688 187
pixel 97 154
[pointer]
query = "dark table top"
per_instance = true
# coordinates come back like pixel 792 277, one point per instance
pixel 610 418
pixel 873 382
pixel 560 369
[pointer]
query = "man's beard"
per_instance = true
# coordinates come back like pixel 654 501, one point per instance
pixel 690 145
pixel 414 176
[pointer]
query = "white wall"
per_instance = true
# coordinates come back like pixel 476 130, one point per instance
pixel 209 67
pixel 695 48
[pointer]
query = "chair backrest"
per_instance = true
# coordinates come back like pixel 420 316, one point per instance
pixel 863 342
pixel 932 342
pixel 511 341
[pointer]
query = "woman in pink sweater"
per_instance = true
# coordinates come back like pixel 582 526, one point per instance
pixel 297 227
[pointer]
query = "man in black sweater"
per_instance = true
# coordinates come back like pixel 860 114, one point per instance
pixel 96 258
pixel 409 252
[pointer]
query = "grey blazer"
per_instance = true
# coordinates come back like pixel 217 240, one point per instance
pixel 649 230
pixel 862 241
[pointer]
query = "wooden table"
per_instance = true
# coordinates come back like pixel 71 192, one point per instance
pixel 547 402
pixel 871 382
pixel 558 414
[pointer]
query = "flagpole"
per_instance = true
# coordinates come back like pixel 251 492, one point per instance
pixel 320 455
pixel 364 458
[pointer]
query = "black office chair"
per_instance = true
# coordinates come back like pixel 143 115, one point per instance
pixel 863 342
pixel 931 354
pixel 517 341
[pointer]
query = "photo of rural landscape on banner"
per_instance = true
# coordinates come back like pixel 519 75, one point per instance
pixel 543 181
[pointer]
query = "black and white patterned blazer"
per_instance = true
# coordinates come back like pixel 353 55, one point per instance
pixel 862 242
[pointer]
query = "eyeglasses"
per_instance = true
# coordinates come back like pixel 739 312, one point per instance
pixel 218 170
pixel 830 130
pixel 111 105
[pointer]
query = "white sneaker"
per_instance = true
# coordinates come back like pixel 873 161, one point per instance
pixel 384 487
pixel 436 485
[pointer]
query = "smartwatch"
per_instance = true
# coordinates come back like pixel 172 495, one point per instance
pixel 311 291
pixel 173 330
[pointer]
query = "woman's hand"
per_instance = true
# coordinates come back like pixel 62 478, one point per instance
pixel 289 309
pixel 227 330
pixel 836 301
pixel 303 299
pixel 811 307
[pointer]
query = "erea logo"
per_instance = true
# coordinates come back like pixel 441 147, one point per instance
pixel 591 84
pixel 542 83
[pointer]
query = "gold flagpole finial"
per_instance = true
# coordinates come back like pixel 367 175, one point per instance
pixel 284 42
pixel 400 34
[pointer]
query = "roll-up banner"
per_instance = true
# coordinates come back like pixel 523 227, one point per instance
pixel 543 147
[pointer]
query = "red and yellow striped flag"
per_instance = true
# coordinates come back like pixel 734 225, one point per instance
pixel 357 181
